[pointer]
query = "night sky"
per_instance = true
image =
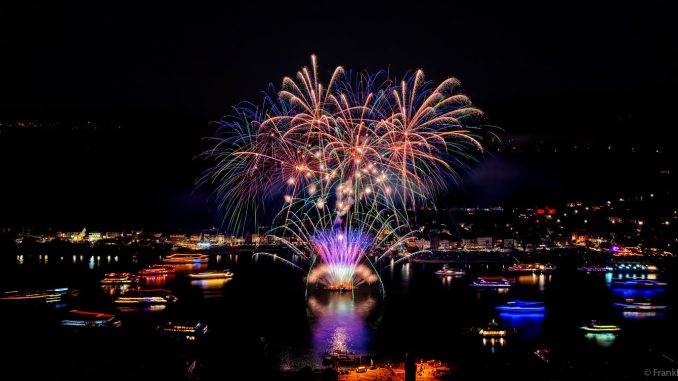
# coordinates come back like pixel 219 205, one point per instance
pixel 152 75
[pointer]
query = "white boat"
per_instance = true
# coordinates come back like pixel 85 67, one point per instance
pixel 492 282
pixel 641 306
pixel 212 275
pixel 155 296
pixel 446 271
pixel 594 327
pixel 339 356
pixel 186 258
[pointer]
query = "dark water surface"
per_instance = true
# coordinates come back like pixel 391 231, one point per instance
pixel 263 320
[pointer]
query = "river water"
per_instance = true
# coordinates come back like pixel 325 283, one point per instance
pixel 263 320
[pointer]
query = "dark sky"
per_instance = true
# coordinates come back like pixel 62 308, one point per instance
pixel 163 70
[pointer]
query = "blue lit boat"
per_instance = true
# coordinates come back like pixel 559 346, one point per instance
pixel 594 327
pixel 638 283
pixel 518 306
pixel 492 282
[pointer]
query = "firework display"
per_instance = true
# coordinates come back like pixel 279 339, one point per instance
pixel 340 165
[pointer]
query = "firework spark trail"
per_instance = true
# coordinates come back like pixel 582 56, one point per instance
pixel 335 159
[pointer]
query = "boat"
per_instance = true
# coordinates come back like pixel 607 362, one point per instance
pixel 86 319
pixel 220 274
pixel 157 270
pixel 54 295
pixel 634 267
pixel 637 283
pixel 632 305
pixel 594 327
pixel 446 271
pixel 152 296
pixel 492 282
pixel 187 258
pixel 184 330
pixel 595 268
pixel 519 306
pixel 492 330
pixel 339 356
pixel 119 278
pixel 531 268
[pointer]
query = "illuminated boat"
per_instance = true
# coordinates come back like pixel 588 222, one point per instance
pixel 339 356
pixel 492 282
pixel 187 258
pixel 154 296
pixel 446 271
pixel 595 268
pixel 634 267
pixel 48 296
pixel 637 283
pixel 119 278
pixel 530 268
pixel 492 330
pixel 632 305
pixel 212 275
pixel 157 270
pixel 518 306
pixel 184 330
pixel 86 319
pixel 594 327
